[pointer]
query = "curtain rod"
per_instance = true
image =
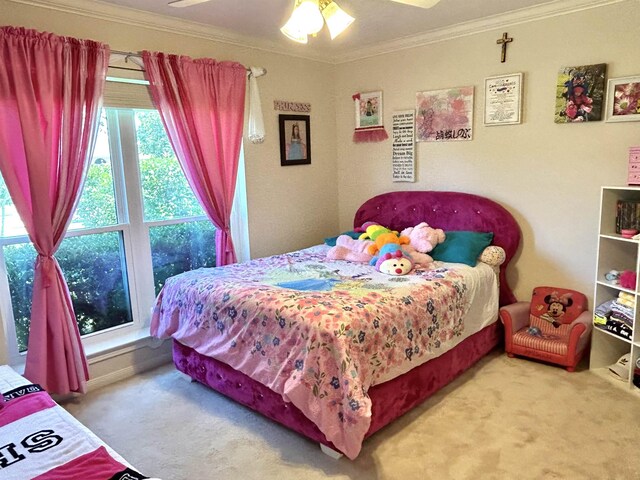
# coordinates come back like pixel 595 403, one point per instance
pixel 134 54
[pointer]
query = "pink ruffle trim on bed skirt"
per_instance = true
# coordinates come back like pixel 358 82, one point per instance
pixel 389 400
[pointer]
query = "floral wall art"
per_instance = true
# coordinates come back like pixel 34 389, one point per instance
pixel 623 99
pixel 444 115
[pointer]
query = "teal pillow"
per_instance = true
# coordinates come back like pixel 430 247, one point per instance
pixel 331 241
pixel 462 247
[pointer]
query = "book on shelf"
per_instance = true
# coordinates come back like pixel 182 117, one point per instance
pixel 627 215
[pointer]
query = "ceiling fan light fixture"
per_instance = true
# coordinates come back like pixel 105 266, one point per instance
pixel 292 31
pixel 337 19
pixel 307 17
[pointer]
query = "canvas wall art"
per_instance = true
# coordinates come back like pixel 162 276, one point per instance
pixel 444 115
pixel 580 93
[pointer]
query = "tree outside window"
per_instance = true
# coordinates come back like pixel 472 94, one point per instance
pixel 94 263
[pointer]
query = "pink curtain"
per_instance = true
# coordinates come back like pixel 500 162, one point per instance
pixel 50 95
pixel 201 103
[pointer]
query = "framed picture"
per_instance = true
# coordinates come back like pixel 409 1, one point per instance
pixel 295 140
pixel 623 99
pixel 580 93
pixel 445 115
pixel 503 99
pixel 369 110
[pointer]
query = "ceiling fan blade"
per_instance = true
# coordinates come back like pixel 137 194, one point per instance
pixel 185 3
pixel 418 3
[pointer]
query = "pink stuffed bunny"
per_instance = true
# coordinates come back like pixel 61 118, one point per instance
pixel 348 248
pixel 422 239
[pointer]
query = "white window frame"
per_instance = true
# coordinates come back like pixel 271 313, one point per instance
pixel 135 238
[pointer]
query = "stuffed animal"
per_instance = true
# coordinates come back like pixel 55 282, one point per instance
pixel 422 239
pixel 384 238
pixel 628 279
pixel 364 226
pixel 372 232
pixel 393 262
pixel 388 248
pixel 350 249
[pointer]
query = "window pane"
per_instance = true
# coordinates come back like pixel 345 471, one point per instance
pixel 20 260
pixel 97 206
pixel 165 192
pixel 179 248
pixel 95 270
pixel 93 267
pixel 10 223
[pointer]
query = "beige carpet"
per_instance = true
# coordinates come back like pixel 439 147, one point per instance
pixel 503 419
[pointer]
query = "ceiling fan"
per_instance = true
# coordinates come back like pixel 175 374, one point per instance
pixel 415 3
pixel 309 16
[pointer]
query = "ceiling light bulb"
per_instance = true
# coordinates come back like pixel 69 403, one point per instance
pixel 337 19
pixel 308 17
pixel 292 31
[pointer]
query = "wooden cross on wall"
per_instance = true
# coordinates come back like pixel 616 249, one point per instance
pixel 503 41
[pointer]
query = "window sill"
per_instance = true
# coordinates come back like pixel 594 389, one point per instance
pixel 98 351
pixel 101 350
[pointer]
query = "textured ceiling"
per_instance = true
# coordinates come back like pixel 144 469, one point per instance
pixel 378 22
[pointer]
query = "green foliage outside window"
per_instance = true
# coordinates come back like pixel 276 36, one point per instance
pixel 93 270
pixel 93 265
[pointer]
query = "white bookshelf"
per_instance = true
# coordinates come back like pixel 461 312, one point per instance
pixel 615 253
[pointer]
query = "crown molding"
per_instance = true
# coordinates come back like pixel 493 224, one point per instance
pixel 524 15
pixel 139 18
pixel 154 21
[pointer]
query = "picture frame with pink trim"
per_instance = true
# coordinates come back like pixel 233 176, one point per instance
pixel 369 110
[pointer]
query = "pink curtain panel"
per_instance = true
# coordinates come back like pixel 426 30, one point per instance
pixel 201 103
pixel 50 98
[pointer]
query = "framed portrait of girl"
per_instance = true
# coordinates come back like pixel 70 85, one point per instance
pixel 295 140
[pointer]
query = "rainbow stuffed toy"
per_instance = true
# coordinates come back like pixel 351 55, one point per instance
pixel 384 238
pixel 392 260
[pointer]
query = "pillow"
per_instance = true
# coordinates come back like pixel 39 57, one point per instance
pixel 493 255
pixel 331 241
pixel 462 247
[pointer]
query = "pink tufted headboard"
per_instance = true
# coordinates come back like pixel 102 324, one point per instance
pixel 449 211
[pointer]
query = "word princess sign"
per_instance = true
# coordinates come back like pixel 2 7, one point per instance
pixel 284 106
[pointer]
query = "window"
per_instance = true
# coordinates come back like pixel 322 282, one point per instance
pixel 137 223
pixel 180 235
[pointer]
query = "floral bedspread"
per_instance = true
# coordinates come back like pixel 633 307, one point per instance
pixel 321 332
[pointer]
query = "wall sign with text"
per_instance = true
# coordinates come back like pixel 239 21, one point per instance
pixel 284 106
pixel 503 100
pixel 403 147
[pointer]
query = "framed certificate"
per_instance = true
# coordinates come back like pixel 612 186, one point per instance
pixel 503 100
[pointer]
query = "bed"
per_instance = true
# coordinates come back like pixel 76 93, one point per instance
pixel 335 350
pixel 40 440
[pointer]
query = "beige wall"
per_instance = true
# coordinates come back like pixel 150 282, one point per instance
pixel 547 175
pixel 283 202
